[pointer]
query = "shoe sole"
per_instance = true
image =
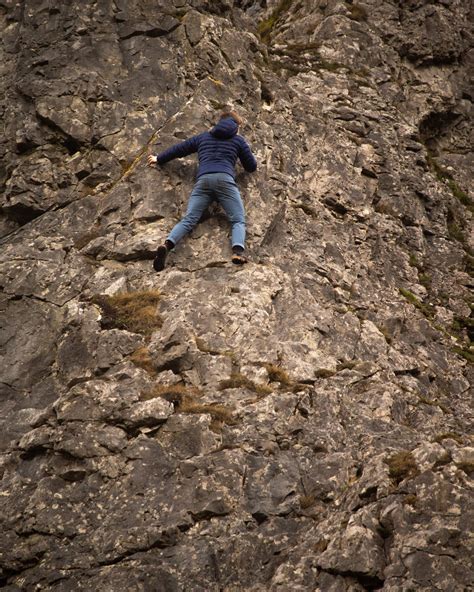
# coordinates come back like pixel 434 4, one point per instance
pixel 160 259
pixel 239 260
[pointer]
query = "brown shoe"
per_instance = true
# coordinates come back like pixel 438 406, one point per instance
pixel 239 259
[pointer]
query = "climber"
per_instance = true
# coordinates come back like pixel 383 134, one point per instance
pixel 218 150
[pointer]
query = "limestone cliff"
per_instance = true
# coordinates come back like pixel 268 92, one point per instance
pixel 297 424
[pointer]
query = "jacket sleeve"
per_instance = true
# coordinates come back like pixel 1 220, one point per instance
pixel 179 150
pixel 246 157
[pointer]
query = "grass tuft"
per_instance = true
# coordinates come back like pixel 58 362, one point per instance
pixel 401 465
pixel 324 373
pixel 240 381
pixel 348 365
pixel 306 501
pixel 266 26
pixel 204 348
pixel 466 353
pixel 461 195
pixel 219 413
pixel 456 232
pixel 424 308
pixel 467 467
pixel 413 261
pixel 320 546
pixel 425 280
pixel 277 374
pixel 185 400
pixel 410 499
pixel 308 210
pixel 141 358
pixel 132 311
pixel 445 177
pixel 173 393
pixel 449 436
pixel 357 12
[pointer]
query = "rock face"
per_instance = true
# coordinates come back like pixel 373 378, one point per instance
pixel 298 424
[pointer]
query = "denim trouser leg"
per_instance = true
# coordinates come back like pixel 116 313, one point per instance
pixel 229 197
pixel 213 185
pixel 199 200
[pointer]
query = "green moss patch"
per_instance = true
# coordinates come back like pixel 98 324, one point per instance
pixel 424 308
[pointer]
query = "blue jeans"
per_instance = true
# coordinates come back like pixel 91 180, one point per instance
pixel 220 186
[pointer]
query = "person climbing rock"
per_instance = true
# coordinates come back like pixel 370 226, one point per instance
pixel 218 151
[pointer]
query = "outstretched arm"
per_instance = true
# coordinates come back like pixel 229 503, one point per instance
pixel 246 157
pixel 177 151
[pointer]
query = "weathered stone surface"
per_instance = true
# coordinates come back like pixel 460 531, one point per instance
pixel 301 423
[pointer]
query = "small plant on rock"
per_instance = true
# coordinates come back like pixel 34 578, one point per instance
pixel 401 465
pixel 186 400
pixel 424 308
pixel 410 499
pixel 357 12
pixel 173 393
pixel 132 311
pixel 265 28
pixel 448 435
pixel 141 358
pixel 240 381
pixel 219 413
pixel 320 546
pixel 306 501
pixel 277 374
pixel 203 347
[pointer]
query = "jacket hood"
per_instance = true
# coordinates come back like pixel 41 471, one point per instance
pixel 226 128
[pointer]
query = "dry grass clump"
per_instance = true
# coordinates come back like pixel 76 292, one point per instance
pixel 219 413
pixel 203 347
pixel 185 399
pixel 308 210
pixel 277 374
pixel 241 381
pixel 306 501
pixel 449 435
pixel 132 311
pixel 349 365
pixel 173 393
pixel 324 373
pixel 358 12
pixel 321 546
pixel 410 499
pixel 141 358
pixel 466 466
pixel 401 465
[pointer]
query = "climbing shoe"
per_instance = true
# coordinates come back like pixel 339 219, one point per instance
pixel 239 259
pixel 160 258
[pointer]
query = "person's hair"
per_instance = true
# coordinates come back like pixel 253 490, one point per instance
pixel 231 113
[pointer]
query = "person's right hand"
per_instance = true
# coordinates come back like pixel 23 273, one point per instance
pixel 151 160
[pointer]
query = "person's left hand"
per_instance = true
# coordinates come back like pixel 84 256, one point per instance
pixel 151 160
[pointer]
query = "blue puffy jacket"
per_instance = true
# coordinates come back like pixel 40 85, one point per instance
pixel 217 150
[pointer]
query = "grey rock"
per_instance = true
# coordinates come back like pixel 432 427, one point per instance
pixel 299 423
